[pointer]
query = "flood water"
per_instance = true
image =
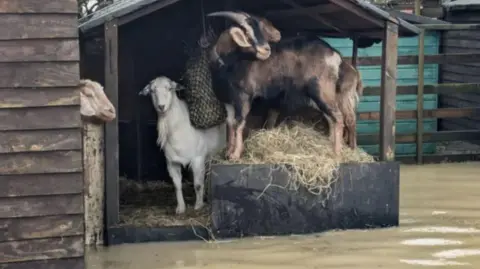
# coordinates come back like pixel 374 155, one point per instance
pixel 439 227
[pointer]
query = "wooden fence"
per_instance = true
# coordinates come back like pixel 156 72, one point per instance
pixel 445 88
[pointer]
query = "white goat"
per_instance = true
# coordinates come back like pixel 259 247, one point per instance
pixel 182 144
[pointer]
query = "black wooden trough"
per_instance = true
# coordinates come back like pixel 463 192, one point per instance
pixel 250 200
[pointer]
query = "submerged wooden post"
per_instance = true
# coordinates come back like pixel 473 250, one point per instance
pixel 95 109
pixel 388 92
pixel 421 66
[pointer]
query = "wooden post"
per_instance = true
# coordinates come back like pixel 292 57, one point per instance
pixel 418 7
pixel 94 180
pixel 388 92
pixel 355 51
pixel 111 128
pixel 420 97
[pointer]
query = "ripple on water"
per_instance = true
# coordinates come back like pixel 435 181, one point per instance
pixel 442 229
pixel 456 253
pixel 439 262
pixel 431 242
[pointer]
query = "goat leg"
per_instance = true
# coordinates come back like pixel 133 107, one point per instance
pixel 175 172
pixel 198 169
pixel 338 138
pixel 272 116
pixel 239 147
pixel 231 139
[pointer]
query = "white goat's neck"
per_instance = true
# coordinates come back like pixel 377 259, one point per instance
pixel 172 122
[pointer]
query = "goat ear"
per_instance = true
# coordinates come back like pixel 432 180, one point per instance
pixel 180 87
pixel 146 91
pixel 239 37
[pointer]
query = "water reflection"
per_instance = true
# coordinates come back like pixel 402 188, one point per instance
pixel 439 227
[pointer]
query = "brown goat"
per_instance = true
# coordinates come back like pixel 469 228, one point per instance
pixel 308 69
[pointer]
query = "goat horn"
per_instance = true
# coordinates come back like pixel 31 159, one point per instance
pixel 235 16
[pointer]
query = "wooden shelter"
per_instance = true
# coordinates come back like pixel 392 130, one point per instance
pixel 41 203
pixel 130 42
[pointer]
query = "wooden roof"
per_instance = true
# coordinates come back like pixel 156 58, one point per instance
pixel 342 18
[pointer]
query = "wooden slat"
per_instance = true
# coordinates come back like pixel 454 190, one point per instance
pixel 111 128
pixel 39 97
pixel 420 92
pixel 389 91
pixel 439 158
pixel 39 74
pixel 373 139
pixel 40 118
pixel 432 113
pixel 40 249
pixel 40 140
pixel 40 227
pixel 447 27
pixel 37 206
pixel 446 58
pixel 19 26
pixel 39 50
pixel 35 6
pixel 41 162
pixel 71 263
pixel 446 88
pixel 34 185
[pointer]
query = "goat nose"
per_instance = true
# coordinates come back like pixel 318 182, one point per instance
pixel 161 107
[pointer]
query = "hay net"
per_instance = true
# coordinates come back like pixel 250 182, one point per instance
pixel 303 152
pixel 204 108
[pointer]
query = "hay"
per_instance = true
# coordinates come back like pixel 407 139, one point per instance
pixel 300 150
pixel 152 204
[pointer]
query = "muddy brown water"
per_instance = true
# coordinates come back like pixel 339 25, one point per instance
pixel 439 228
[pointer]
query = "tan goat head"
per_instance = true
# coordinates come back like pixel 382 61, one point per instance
pixel 94 103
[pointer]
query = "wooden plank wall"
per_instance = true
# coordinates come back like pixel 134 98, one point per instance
pixel 461 41
pixel 41 203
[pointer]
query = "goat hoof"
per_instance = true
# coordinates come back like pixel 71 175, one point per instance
pixel 198 206
pixel 233 157
pixel 180 210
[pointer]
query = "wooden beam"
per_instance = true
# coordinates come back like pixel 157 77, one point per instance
pixel 444 113
pixel 388 94
pixel 145 11
pixel 445 58
pixel 355 51
pixel 111 129
pixel 350 6
pixel 286 13
pixel 449 27
pixel 440 158
pixel 313 15
pixel 446 88
pixel 443 136
pixel 421 69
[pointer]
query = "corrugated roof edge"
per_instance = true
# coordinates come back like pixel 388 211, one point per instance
pixel 462 5
pixel 111 12
pixel 387 16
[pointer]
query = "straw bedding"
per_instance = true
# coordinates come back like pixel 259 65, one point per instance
pixel 302 151
pixel 152 204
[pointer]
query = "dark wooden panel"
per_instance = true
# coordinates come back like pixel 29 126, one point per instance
pixel 432 113
pixel 373 139
pixel 40 140
pixel 39 74
pixel 440 158
pixel 40 50
pixel 35 6
pixel 19 26
pixel 31 97
pixel 111 128
pixel 445 88
pixel 40 249
pixel 40 227
pixel 71 263
pixel 40 118
pixel 30 185
pixel 36 206
pixel 429 59
pixel 41 162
